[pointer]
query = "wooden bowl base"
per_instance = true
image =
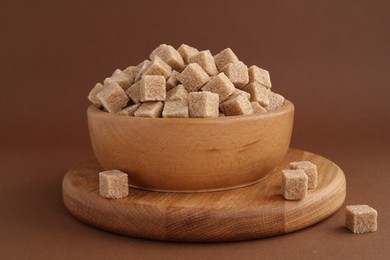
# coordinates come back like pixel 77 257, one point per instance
pixel 250 212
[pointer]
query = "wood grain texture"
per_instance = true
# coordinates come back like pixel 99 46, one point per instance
pixel 191 154
pixel 251 212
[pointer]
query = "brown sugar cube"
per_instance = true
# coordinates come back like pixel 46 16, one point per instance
pixel 113 184
pixel 186 52
pixel 241 92
pixel 129 111
pixel 116 73
pixel 134 91
pixel 275 101
pixel 92 96
pixel 258 92
pixel 170 55
pixel 158 67
pixel 130 72
pixel 150 109
pixel 206 61
pixel 172 81
pixel 152 88
pixel 220 85
pixel 259 75
pixel 203 104
pixel 113 98
pixel 237 73
pixel 178 108
pixel 238 105
pixel 310 169
pixel 361 219
pixel 122 79
pixel 257 108
pixel 225 57
pixel 139 71
pixel 294 184
pixel 193 77
pixel 177 93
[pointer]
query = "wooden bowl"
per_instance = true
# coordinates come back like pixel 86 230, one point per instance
pixel 191 154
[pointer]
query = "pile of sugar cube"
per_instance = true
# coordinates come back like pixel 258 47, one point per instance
pixel 187 83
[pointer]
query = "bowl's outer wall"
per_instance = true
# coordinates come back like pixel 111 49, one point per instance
pixel 191 154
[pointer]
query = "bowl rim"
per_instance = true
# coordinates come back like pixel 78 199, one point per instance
pixel 288 106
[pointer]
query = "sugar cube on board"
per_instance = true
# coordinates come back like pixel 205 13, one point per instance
pixel 294 184
pixel 310 169
pixel 113 184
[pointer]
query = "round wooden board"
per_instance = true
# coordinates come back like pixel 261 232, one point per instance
pixel 250 212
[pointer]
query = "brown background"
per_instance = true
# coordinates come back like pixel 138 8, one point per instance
pixel 331 58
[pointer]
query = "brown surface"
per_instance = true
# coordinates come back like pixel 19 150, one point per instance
pixel 255 211
pixel 165 154
pixel 331 58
